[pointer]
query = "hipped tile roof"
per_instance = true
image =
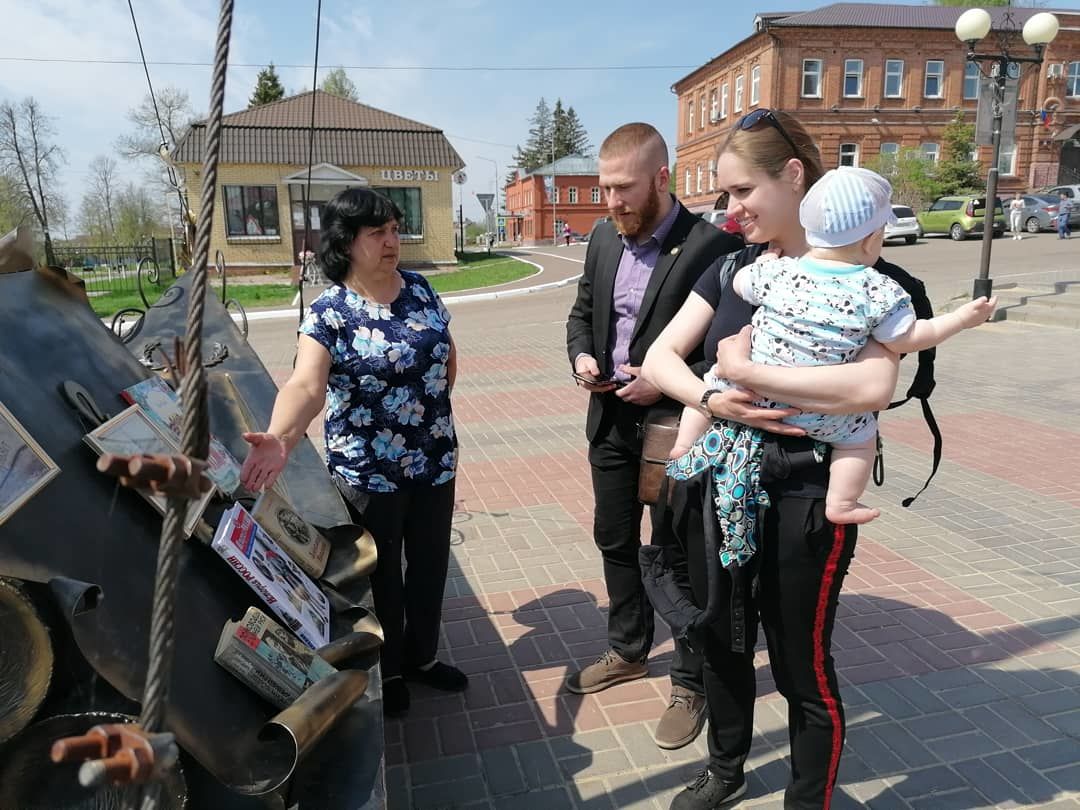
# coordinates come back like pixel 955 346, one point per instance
pixel 346 133
pixel 874 15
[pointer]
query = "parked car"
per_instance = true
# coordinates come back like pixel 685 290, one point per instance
pixel 960 217
pixel 721 220
pixel 1040 212
pixel 906 227
pixel 1071 191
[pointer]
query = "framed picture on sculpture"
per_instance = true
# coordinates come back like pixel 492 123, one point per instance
pixel 24 466
pixel 132 432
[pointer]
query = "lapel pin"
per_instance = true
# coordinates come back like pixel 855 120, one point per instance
pixel 675 251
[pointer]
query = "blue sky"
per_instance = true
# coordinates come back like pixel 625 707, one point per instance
pixel 484 112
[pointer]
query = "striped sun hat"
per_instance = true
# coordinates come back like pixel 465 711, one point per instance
pixel 845 206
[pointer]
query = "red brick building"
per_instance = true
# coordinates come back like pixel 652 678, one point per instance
pixel 870 79
pixel 541 202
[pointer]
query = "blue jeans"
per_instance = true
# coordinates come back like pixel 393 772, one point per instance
pixel 1063 226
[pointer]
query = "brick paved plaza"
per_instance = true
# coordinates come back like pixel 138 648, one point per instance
pixel 958 637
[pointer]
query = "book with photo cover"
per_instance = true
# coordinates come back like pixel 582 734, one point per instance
pixel 133 432
pixel 309 549
pixel 268 658
pixel 272 574
pixel 162 405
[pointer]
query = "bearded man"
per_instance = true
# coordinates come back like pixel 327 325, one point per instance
pixel 639 269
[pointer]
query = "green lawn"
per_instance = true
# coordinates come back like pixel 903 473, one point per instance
pixel 249 295
pixel 480 272
pixel 475 270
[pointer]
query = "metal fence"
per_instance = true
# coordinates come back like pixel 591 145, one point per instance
pixel 113 269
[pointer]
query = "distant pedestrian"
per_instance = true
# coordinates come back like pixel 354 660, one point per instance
pixel 1065 207
pixel 566 233
pixel 1016 214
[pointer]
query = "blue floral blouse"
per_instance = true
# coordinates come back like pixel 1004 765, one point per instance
pixel 388 418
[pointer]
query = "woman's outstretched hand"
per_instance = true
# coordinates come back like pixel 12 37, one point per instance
pixel 265 460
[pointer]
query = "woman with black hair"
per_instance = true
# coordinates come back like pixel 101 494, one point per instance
pixel 376 350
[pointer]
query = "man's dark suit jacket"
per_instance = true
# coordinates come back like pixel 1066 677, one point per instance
pixel 691 247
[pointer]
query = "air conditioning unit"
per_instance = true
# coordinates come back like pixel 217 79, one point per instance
pixel 1055 70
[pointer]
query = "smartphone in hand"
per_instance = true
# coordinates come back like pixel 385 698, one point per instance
pixel 590 381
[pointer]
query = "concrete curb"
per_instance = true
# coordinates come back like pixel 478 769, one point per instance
pixel 487 295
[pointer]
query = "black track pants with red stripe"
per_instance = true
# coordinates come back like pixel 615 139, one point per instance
pixel 801 567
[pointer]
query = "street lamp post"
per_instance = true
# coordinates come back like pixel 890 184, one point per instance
pixel 971 27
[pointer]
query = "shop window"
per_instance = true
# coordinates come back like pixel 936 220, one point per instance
pixel 251 210
pixel 410 202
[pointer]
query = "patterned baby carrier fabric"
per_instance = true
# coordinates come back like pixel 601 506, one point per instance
pixel 733 453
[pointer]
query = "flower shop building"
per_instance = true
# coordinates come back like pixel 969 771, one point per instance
pixel 263 195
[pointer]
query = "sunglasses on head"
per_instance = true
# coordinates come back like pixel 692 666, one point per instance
pixel 752 119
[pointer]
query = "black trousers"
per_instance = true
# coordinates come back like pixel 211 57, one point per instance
pixel 409 603
pixel 615 459
pixel 800 570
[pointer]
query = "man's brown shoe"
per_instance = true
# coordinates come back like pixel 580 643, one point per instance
pixel 682 721
pixel 609 669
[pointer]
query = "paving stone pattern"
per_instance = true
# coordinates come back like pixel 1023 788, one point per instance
pixel 958 632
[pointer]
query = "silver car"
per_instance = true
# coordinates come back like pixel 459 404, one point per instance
pixel 1040 211
pixel 906 227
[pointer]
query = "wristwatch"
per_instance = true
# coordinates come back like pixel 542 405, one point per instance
pixel 703 403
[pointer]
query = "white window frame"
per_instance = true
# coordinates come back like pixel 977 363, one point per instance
pixel 699 176
pixel 852 151
pixel 939 74
pixel 893 153
pixel 712 175
pixel 1072 80
pixel 1007 160
pixel 714 106
pixel 686 184
pixel 971 73
pixel 894 69
pixel 740 86
pixel 933 154
pixel 850 71
pixel 723 101
pixel 755 85
pixel 701 118
pixel 595 195
pixel 690 116
pixel 811 68
pixel 571 195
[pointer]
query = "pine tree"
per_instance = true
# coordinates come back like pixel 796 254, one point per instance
pixel 558 131
pixel 268 87
pixel 537 149
pixel 337 83
pixel 576 136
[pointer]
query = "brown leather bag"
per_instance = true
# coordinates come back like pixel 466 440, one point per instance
pixel 660 434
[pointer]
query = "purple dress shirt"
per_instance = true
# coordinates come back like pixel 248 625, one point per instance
pixel 635 267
